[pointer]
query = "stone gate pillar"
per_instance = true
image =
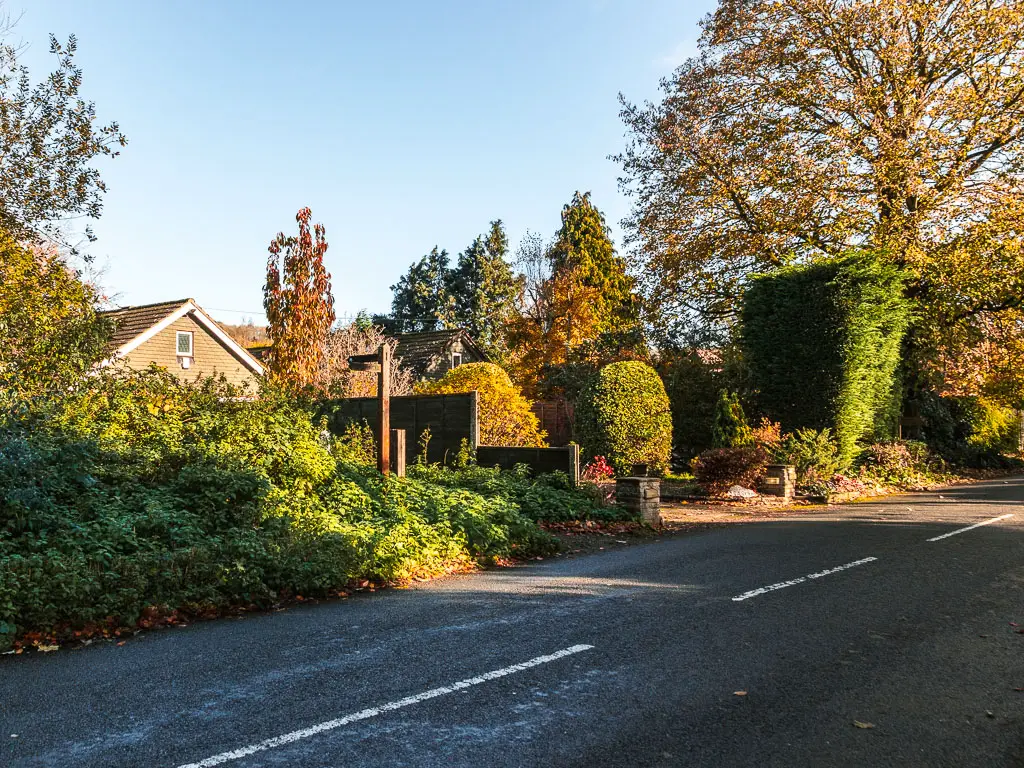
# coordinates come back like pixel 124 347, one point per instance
pixel 641 496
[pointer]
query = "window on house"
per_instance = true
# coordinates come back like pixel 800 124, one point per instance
pixel 184 344
pixel 456 359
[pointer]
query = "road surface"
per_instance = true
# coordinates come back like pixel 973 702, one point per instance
pixel 875 634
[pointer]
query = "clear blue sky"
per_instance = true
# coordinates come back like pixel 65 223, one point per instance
pixel 402 125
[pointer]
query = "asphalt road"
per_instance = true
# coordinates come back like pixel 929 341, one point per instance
pixel 631 657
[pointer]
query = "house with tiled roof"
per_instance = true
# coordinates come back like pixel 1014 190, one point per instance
pixel 431 354
pixel 181 337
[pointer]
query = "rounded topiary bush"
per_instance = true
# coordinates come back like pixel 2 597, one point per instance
pixel 624 415
pixel 505 415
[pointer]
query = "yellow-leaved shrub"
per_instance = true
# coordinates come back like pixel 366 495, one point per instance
pixel 505 415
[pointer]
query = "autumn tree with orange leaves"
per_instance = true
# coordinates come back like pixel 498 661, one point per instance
pixel 577 306
pixel 298 302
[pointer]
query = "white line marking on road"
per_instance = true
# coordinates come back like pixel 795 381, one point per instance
pixel 366 714
pixel 800 580
pixel 971 527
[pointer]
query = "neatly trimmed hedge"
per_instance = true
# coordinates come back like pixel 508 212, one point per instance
pixel 624 415
pixel 822 343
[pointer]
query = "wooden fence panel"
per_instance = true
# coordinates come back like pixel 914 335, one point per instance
pixel 556 417
pixel 450 418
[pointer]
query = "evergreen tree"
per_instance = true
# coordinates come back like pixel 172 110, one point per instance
pixel 485 289
pixel 579 311
pixel 422 299
pixel 730 428
pixel 584 248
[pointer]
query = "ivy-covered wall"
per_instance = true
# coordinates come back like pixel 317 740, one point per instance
pixel 822 345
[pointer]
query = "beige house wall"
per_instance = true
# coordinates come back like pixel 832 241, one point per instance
pixel 443 364
pixel 210 357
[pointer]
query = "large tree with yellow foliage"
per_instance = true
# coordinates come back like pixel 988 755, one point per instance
pixel 805 128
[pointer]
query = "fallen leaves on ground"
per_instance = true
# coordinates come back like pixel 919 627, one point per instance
pixel 739 693
pixel 859 724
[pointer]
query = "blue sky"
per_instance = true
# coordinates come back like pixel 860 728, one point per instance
pixel 401 124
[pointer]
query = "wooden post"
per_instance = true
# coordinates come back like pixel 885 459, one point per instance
pixel 384 408
pixel 398 452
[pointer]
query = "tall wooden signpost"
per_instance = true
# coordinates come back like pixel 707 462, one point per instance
pixel 381 364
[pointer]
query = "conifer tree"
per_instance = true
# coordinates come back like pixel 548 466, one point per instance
pixel 730 428
pixel 485 289
pixel 422 300
pixel 584 248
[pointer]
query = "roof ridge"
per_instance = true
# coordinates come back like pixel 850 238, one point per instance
pixel 172 303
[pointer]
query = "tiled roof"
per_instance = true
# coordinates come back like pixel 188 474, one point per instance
pixel 418 350
pixel 259 351
pixel 129 322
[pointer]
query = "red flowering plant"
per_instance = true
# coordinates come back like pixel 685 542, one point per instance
pixel 598 470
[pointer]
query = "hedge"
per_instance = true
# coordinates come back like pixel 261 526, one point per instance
pixel 822 343
pixel 624 415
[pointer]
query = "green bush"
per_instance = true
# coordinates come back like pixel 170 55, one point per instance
pixel 902 463
pixel 822 343
pixel 719 469
pixel 694 379
pixel 729 428
pixel 139 493
pixel 969 431
pixel 547 498
pixel 812 452
pixel 624 416
pixel 995 428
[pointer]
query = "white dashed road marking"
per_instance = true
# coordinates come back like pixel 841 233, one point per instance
pixel 366 714
pixel 800 580
pixel 971 527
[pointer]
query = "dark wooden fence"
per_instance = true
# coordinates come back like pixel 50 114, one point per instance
pixel 556 418
pixel 540 460
pixel 450 419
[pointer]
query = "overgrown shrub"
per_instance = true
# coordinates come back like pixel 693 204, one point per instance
pixel 356 444
pixel 902 463
pixel 969 431
pixel 995 428
pixel 505 415
pixel 822 343
pixel 138 493
pixel 624 416
pixel 546 498
pixel 719 469
pixel 812 452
